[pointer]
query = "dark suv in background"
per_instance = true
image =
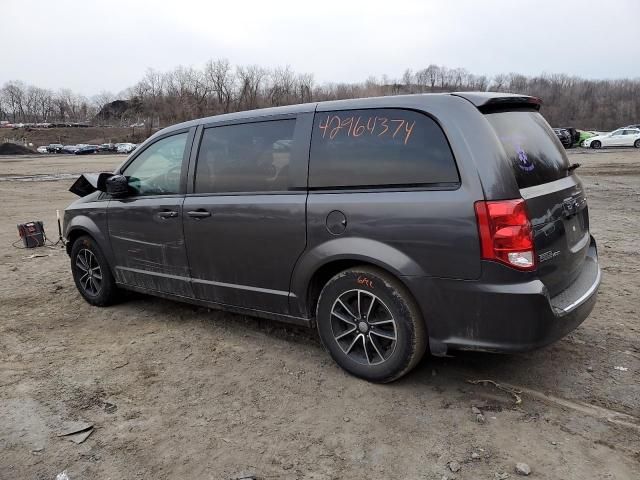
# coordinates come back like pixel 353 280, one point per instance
pixel 564 136
pixel 395 224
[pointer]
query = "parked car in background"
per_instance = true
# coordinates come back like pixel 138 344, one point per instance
pixel 43 149
pixel 584 134
pixel 357 217
pixel 87 149
pixel 637 125
pixel 70 148
pixel 564 136
pixel 623 137
pixel 55 148
pixel 108 147
pixel 575 135
pixel 126 147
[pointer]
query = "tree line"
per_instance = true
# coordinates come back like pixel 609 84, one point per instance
pixel 163 98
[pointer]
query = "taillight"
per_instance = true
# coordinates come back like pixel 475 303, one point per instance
pixel 505 233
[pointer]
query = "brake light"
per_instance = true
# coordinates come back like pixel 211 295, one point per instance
pixel 505 233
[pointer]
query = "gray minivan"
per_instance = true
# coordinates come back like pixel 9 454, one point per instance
pixel 394 224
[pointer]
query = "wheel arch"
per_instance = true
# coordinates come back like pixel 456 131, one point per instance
pixel 83 225
pixel 314 270
pixel 73 235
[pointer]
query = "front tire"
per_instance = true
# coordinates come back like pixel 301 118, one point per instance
pixel 637 143
pixel 91 273
pixel 596 144
pixel 370 324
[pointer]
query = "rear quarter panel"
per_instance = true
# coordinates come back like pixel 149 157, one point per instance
pixel 412 233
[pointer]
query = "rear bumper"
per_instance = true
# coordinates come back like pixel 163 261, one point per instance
pixel 504 317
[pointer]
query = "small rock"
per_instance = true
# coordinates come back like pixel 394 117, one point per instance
pixel 287 466
pixel 243 476
pixel 72 427
pixel 500 476
pixel 475 456
pixel 454 466
pixel 13 268
pixel 589 368
pixel 523 469
pixel 346 419
pixel 476 410
pixel 553 442
pixel 480 418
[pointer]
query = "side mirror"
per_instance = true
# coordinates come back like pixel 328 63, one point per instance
pixel 116 185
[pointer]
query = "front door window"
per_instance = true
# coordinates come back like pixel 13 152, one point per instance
pixel 156 171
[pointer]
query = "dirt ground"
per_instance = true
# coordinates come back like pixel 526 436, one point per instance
pixel 178 392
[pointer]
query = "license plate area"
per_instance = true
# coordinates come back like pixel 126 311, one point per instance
pixel 574 229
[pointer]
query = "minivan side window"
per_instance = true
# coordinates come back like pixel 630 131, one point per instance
pixel 249 157
pixel 156 171
pixel 377 148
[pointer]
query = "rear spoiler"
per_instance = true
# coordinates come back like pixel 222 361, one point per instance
pixel 491 102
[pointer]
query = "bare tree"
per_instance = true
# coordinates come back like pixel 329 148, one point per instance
pixel 162 98
pixel 220 80
pixel 250 81
pixel 13 94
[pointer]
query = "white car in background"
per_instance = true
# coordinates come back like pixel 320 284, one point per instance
pixel 125 147
pixel 623 137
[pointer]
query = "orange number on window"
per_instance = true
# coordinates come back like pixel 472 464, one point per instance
pixel 371 124
pixel 358 129
pixel 347 122
pixel 409 130
pixel 324 126
pixel 384 122
pixel 336 129
pixel 400 123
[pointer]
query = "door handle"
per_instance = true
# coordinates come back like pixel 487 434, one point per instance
pixel 200 213
pixel 167 214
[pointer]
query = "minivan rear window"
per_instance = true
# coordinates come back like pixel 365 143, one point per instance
pixel 534 152
pixel 379 148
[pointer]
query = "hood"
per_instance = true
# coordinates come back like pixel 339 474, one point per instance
pixel 596 137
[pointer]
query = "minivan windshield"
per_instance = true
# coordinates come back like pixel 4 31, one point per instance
pixel 535 154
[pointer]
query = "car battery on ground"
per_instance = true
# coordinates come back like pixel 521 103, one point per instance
pixel 32 234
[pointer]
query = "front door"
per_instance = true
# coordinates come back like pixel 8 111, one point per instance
pixel 617 139
pixel 244 222
pixel 145 227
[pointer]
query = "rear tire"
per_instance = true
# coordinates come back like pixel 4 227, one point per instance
pixel 637 143
pixel 370 324
pixel 92 274
pixel 596 144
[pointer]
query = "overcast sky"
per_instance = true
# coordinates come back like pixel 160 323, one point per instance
pixel 90 46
